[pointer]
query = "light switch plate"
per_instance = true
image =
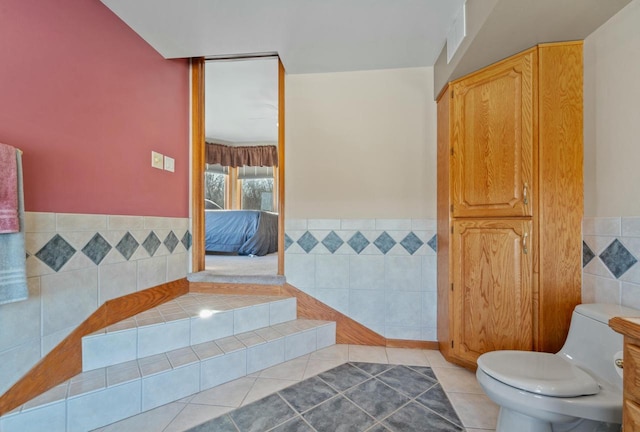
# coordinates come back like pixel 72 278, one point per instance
pixel 169 164
pixel 157 160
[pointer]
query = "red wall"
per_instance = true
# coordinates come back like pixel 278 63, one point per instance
pixel 88 100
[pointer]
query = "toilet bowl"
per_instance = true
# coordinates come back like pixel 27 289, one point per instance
pixel 577 389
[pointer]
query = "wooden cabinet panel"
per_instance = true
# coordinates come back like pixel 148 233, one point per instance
pixel 492 143
pixel 632 371
pixel 560 201
pixel 443 213
pixel 491 286
pixel 631 416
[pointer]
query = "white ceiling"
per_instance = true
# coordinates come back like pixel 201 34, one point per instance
pixel 313 36
pixel 309 35
pixel 241 101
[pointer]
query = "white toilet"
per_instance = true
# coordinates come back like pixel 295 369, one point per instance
pixel 577 389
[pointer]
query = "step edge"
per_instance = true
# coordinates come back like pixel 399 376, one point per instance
pixel 23 410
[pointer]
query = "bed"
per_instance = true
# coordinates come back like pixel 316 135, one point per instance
pixel 245 232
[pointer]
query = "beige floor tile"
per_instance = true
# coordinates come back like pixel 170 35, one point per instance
pixel 291 370
pixel 315 367
pixel 185 400
pixel 333 352
pixel 230 394
pixel 475 410
pixel 437 360
pixel 264 387
pixel 479 430
pixel 155 420
pixel 458 380
pixel 193 415
pixel 408 357
pixel 369 354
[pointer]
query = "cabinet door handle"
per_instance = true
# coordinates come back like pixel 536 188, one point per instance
pixel 525 193
pixel 525 249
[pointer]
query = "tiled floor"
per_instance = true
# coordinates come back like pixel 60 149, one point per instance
pixel 334 369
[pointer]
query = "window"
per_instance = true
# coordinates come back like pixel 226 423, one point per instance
pixel 216 180
pixel 255 185
pixel 246 188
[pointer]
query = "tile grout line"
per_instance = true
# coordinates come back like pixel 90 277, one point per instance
pixel 411 399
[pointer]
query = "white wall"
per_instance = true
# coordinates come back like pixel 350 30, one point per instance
pixel 361 144
pixel 611 228
pixel 612 116
pixel 360 158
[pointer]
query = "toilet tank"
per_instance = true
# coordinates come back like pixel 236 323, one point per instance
pixel 592 344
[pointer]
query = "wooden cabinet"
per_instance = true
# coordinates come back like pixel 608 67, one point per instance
pixel 492 140
pixel 510 204
pixel 630 329
pixel 492 279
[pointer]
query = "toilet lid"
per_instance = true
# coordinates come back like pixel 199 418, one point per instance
pixel 541 373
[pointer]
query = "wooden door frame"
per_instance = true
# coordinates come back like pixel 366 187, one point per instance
pixel 198 165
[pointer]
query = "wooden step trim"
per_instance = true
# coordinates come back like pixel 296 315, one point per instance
pixel 65 360
pixel 348 331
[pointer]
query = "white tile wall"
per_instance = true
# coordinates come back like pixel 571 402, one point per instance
pixel 163 337
pixel 59 301
pixel 394 294
pixel 108 349
pixel 265 355
pixel 89 412
pixel 50 418
pixel 249 318
pixel 216 326
pixel 14 328
pixel 599 285
pixel 161 389
pixel 68 298
pixel 222 369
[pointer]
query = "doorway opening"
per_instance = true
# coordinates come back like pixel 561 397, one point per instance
pixel 238 166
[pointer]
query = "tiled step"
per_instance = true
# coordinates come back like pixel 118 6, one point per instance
pixel 108 394
pixel 187 320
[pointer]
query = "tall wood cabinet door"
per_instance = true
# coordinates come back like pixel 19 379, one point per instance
pixel 493 137
pixel 491 289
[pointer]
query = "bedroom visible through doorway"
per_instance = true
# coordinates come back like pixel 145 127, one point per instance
pixel 240 203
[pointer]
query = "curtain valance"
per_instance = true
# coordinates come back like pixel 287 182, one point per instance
pixel 241 155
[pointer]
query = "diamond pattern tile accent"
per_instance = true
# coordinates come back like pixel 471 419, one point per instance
pixel 307 241
pixel 186 240
pixel 384 242
pixel 411 243
pixel 617 258
pixel 332 242
pixel 433 243
pixel 358 242
pixel 97 248
pixel 127 245
pixel 171 241
pixel 56 253
pixel 151 243
pixel 587 254
pixel 287 242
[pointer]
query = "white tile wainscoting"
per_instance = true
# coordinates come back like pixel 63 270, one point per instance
pixel 76 262
pixel 611 250
pixel 380 272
